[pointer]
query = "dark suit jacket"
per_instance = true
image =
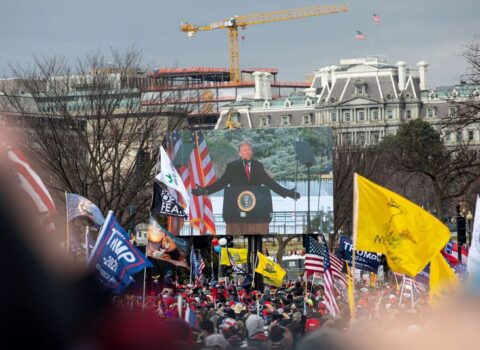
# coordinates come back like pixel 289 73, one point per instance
pixel 235 175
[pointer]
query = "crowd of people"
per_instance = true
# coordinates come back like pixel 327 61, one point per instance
pixel 227 316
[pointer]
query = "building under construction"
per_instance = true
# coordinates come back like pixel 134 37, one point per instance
pixel 204 90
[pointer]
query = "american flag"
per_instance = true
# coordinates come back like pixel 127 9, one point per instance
pixel 376 18
pixel 314 261
pixel 450 252
pixel 197 265
pixel 201 173
pixel 32 185
pixel 328 281
pixel 360 36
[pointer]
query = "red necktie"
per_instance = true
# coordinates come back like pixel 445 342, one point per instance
pixel 247 170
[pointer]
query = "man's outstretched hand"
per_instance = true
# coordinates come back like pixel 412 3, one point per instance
pixel 293 194
pixel 199 191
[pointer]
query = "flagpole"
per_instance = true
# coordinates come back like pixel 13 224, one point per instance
pixel 144 286
pixel 373 37
pixel 87 248
pixel 191 262
pixel 355 228
pixel 67 238
pixel 254 268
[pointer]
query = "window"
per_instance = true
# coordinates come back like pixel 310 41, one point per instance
pixel 266 104
pixel 234 118
pixel 264 122
pixel 308 102
pixel 361 115
pixel 374 114
pixel 361 89
pixel 459 136
pixel 346 116
pixel 361 138
pixel 452 111
pixel 375 137
pixel 285 121
pixel 432 95
pixel 390 114
pixel 347 138
pixel 333 115
pixel 307 119
pixel 431 112
pixel 408 114
pixel 470 135
pixel 287 103
pixel 448 136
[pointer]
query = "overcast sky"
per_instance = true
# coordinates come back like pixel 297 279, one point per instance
pixel 410 30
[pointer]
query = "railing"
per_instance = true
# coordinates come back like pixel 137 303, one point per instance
pixel 283 223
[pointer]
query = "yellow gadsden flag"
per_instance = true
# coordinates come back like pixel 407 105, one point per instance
pixel 271 270
pixel 387 223
pixel 240 256
pixel 442 278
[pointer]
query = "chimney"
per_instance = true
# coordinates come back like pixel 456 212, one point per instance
pixel 258 95
pixel 324 76
pixel 267 86
pixel 333 75
pixel 401 75
pixel 422 71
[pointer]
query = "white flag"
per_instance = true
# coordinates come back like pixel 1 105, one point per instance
pixel 473 265
pixel 170 177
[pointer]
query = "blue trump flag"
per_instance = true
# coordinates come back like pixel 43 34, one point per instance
pixel 114 257
pixel 366 261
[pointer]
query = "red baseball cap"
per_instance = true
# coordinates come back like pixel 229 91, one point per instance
pixel 312 324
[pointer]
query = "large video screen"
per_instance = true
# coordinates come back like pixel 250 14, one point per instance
pixel 262 181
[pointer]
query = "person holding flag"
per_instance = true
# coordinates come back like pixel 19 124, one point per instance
pixel 170 178
pixel 271 270
pixel 114 258
pixel 408 236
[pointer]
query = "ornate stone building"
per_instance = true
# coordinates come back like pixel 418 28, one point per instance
pixel 363 99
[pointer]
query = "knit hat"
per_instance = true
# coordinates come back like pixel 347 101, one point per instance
pixel 254 325
pixel 279 338
pixel 216 340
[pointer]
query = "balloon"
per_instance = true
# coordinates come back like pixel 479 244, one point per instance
pixel 214 242
pixel 223 241
pixel 217 249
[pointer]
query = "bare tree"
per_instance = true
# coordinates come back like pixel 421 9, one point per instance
pixel 468 105
pixel 282 245
pixel 347 160
pixel 418 155
pixel 92 128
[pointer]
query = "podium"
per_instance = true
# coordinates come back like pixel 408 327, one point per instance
pixel 247 210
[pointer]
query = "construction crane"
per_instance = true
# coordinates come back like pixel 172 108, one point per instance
pixel 233 23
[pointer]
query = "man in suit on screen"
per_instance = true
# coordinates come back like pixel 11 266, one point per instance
pixel 245 171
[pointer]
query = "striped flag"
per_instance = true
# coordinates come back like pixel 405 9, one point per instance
pixel 197 265
pixel 33 187
pixel 376 18
pixel 314 261
pixel 202 174
pixel 30 182
pixel 328 281
pixel 360 36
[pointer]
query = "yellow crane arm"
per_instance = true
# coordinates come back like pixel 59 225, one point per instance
pixel 265 17
pixel 285 15
pixel 232 24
